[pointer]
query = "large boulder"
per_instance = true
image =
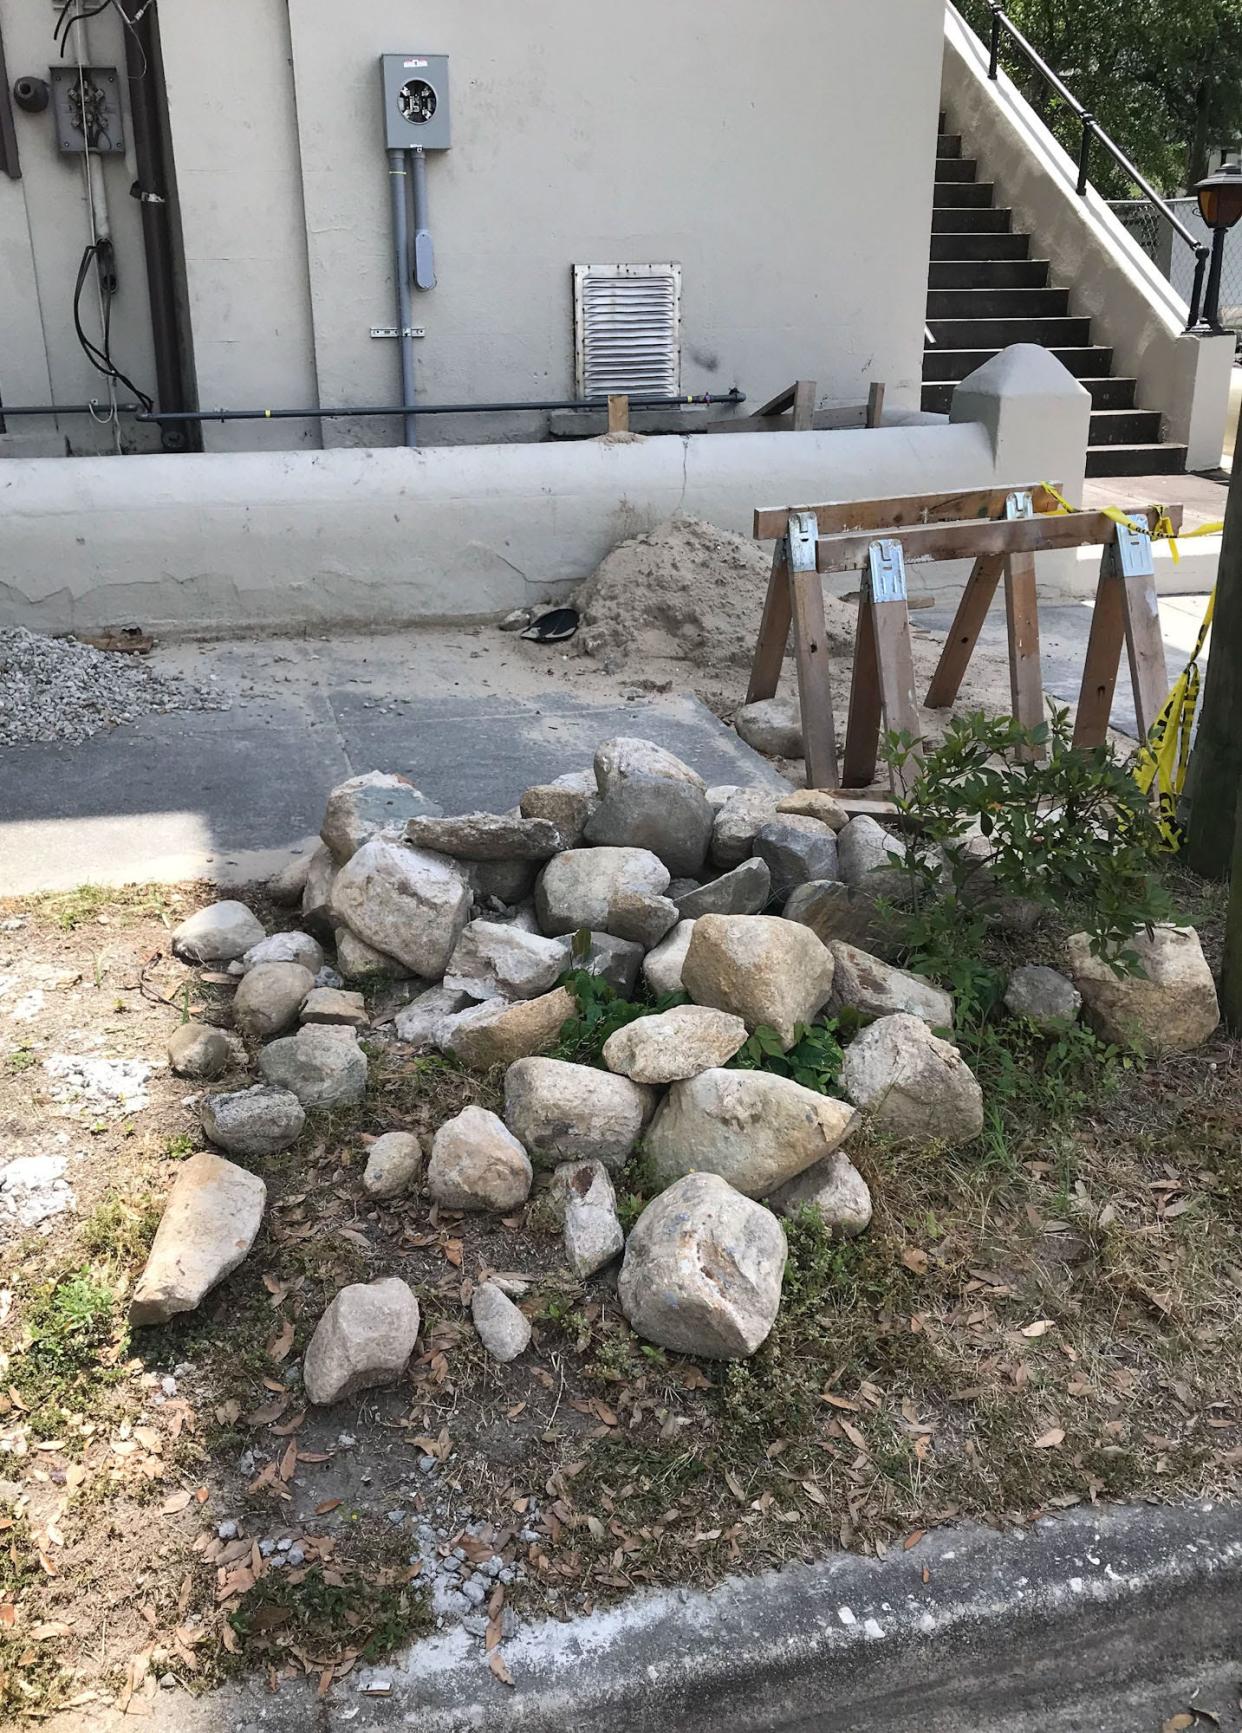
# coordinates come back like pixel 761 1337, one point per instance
pixel 567 803
pixel 504 1329
pixel 744 891
pixel 407 903
pixel 335 1007
pixel 1043 997
pixel 196 1051
pixel 497 1033
pixel 772 725
pixel 796 850
pixel 580 887
pixel 835 1189
pixel 252 1122
pixel 869 858
pixel 768 971
pixel 322 1065
pixel 740 819
pixel 1170 1008
pixel 364 1339
pixel 670 818
pixel 394 1162
pixel 285 887
pixel 497 960
pixel 477 1164
pixel 861 982
pixel 582 1197
pixel 702 1270
pixel 368 806
pixel 629 759
pixel 565 1112
pixel 220 933
pixel 913 1087
pixel 833 910
pixel 641 918
pixel 269 998
pixel 752 1128
pixel 485 836
pixel 662 966
pixel 286 948
pixel 209 1224
pixel 674 1044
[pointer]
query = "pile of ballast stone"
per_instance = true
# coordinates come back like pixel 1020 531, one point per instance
pixel 758 907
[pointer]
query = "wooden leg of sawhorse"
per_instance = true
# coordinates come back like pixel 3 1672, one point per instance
pixel 765 672
pixel 883 684
pixel 1126 610
pixel 1026 680
pixel 819 743
pixel 959 646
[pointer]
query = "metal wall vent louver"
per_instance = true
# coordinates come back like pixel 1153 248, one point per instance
pixel 627 330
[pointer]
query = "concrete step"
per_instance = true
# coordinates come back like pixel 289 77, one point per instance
pixel 997 303
pixel 1124 427
pixel 1053 333
pixel 949 273
pixel 955 220
pixel 956 168
pixel 945 362
pixel 953 195
pixel 1136 459
pixel 980 246
pixel 1106 394
pixel 949 144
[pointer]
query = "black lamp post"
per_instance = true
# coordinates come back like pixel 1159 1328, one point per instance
pixel 1220 206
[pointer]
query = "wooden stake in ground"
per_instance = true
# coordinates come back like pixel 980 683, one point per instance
pixel 1216 763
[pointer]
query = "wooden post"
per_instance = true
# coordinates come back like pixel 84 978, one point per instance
pixel 765 672
pixel 875 404
pixel 1126 608
pixel 819 744
pixel 959 646
pixel 805 393
pixel 883 683
pixel 618 412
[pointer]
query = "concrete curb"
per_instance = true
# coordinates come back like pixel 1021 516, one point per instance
pixel 1100 1620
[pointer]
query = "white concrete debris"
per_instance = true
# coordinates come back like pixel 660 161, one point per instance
pixel 117 1086
pixel 33 1189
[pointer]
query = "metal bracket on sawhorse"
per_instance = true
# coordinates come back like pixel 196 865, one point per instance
pixel 882 690
pixel 1022 617
pixel 796 596
pixel 1126 609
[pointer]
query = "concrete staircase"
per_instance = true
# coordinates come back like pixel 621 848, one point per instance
pixel 986 292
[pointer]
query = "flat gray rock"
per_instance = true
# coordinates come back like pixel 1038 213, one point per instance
pixel 861 982
pixel 772 726
pixel 737 823
pixel 504 1329
pixel 565 1112
pixel 375 804
pixel 419 1023
pixel 674 1045
pixel 1043 996
pixel 662 966
pixel 485 836
pixel 269 998
pixel 286 948
pixel 835 1189
pixel 754 1129
pixel 913 1087
pixel 744 891
pixel 796 850
pixel 616 961
pixel 208 1226
pixel 394 1162
pixel 668 815
pixel 198 1052
pixel 581 887
pixel 498 960
pixel 477 1164
pixel 219 933
pixel 583 1198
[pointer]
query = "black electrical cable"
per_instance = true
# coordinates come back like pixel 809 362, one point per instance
pixel 101 359
pixel 78 17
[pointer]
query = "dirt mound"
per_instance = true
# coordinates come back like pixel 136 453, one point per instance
pixel 686 592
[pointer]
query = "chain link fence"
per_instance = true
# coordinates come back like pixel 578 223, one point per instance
pixel 1175 259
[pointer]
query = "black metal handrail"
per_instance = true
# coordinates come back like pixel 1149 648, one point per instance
pixel 1091 129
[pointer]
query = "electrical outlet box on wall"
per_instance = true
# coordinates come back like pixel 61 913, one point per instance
pixel 416 101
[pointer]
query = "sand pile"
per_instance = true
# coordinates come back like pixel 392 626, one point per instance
pixel 686 592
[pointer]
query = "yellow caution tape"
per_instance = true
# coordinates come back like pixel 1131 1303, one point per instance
pixel 1164 757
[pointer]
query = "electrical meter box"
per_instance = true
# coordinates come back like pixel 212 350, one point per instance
pixel 416 101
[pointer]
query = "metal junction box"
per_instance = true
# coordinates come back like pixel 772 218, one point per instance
pixel 416 101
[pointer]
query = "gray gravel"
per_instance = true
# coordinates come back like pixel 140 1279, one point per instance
pixel 58 689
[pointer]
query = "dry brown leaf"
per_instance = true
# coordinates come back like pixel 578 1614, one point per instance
pixel 1040 1327
pixel 281 1344
pixel 179 1501
pixel 915 1260
pixel 913 1540
pixel 8 1615
pixel 327 1505
pixel 1050 1440
pixel 1177 1723
pixel 496 1662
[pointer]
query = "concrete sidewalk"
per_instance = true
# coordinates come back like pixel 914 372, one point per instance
pixel 224 795
pixel 1099 1621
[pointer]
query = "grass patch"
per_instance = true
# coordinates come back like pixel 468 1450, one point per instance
pixel 75 1334
pixel 118 1231
pixel 332 1611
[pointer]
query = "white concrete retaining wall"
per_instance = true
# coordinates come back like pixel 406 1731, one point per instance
pixel 268 541
pixel 1113 281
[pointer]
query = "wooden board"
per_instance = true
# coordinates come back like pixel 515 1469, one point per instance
pixel 765 672
pixel 618 413
pixel 951 541
pixel 875 404
pixel 1149 673
pixel 862 729
pixel 972 611
pixel 1103 662
pixel 1026 682
pixel 885 514
pixel 895 661
pixel 805 393
pixel 819 742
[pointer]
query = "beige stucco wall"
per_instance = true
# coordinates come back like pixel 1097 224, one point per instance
pixel 45 224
